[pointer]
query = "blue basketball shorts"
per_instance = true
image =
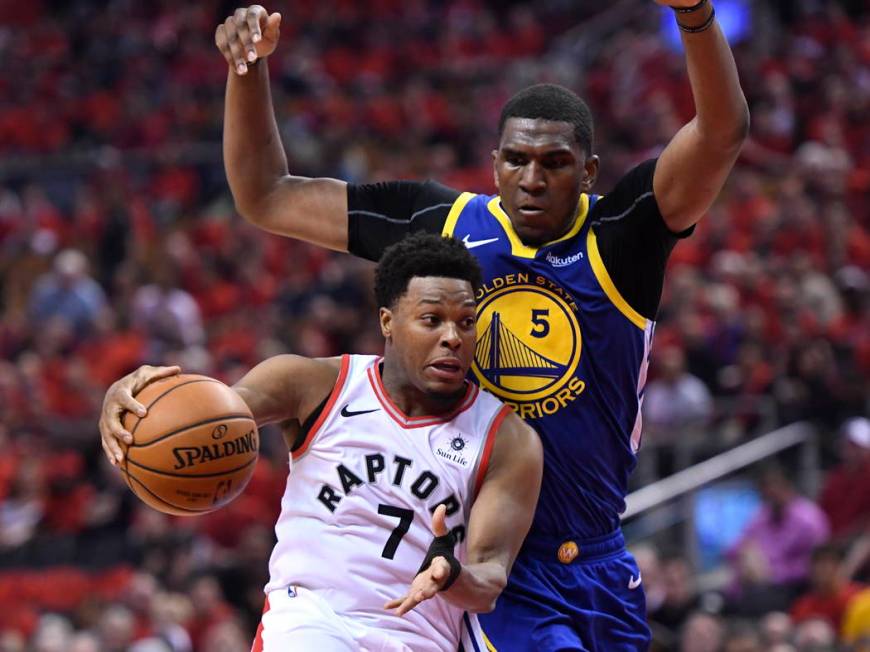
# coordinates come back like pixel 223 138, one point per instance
pixel 571 595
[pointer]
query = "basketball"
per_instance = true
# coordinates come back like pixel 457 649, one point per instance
pixel 195 449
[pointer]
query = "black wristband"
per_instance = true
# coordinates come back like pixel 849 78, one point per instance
pixel 443 547
pixel 703 27
pixel 692 9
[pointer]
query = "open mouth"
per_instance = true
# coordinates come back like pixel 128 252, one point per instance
pixel 447 368
pixel 531 210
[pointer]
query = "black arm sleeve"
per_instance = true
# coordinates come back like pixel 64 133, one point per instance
pixel 379 214
pixel 634 240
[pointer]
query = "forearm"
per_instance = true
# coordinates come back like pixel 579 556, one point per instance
pixel 254 157
pixel 722 113
pixel 477 587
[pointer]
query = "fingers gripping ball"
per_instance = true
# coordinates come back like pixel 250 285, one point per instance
pixel 196 448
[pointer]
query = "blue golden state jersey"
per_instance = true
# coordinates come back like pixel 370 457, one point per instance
pixel 558 343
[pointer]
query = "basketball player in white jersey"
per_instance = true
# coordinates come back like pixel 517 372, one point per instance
pixel 386 453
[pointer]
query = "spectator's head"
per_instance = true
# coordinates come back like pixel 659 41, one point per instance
pixel 856 442
pixel 671 363
pixel 825 571
pixel 84 642
pixel 776 488
pixel 170 609
pixel 115 628
pixel 140 592
pixel 776 628
pixel 70 265
pixel 815 635
pixel 225 636
pixel 678 581
pixel 52 634
pixel 206 595
pixel 701 633
pixel 742 636
pixel 12 641
pixel 151 645
pixel 853 283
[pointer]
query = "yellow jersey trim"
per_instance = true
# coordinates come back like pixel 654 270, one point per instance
pixel 455 211
pixel 521 250
pixel 607 285
pixel 489 646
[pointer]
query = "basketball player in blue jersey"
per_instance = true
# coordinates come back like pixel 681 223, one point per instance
pixel 572 282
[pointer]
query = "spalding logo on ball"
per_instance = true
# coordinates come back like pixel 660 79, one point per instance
pixel 195 450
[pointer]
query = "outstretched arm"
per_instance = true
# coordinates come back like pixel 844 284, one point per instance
pixel 693 167
pixel 264 192
pixel 499 521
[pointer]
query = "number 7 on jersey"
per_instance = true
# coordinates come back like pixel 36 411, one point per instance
pixel 405 517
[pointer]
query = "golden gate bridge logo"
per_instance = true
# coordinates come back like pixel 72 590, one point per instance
pixel 501 353
pixel 528 343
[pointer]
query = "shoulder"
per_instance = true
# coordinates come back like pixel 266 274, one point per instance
pixel 516 443
pixel 634 190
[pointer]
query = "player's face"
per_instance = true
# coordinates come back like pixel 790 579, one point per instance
pixel 431 334
pixel 540 171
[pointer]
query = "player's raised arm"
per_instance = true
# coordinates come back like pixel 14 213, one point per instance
pixel 264 192
pixel 499 521
pixel 693 167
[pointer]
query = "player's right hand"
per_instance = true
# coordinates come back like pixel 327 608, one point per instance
pixel 118 400
pixel 249 34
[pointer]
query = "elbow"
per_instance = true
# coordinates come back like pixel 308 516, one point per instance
pixel 728 135
pixel 742 123
pixel 260 214
pixel 249 211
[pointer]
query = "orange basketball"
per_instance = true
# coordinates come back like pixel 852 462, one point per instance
pixel 196 448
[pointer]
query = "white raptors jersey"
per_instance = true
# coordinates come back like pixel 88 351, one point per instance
pixel 356 515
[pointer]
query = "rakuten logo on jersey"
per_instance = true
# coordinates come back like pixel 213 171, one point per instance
pixel 555 261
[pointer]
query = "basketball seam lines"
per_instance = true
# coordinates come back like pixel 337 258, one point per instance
pixel 226 417
pixel 157 398
pixel 198 475
pixel 166 502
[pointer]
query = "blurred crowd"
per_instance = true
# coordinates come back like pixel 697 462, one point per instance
pixel 119 245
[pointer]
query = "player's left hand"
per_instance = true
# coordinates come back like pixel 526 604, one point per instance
pixel 430 581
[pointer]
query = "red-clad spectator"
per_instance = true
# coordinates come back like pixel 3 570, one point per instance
pixel 845 497
pixel 830 592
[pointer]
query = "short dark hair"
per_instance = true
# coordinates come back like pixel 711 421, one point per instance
pixel 422 254
pixel 551 102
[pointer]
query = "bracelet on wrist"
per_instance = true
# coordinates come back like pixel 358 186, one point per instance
pixel 692 9
pixel 703 27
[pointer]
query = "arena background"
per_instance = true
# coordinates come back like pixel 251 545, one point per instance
pixel 119 245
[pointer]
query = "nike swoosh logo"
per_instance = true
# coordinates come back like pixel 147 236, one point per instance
pixel 634 583
pixel 471 244
pixel 353 413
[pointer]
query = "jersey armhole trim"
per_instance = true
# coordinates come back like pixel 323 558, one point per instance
pixel 327 409
pixel 487 447
pixel 455 211
pixel 607 285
